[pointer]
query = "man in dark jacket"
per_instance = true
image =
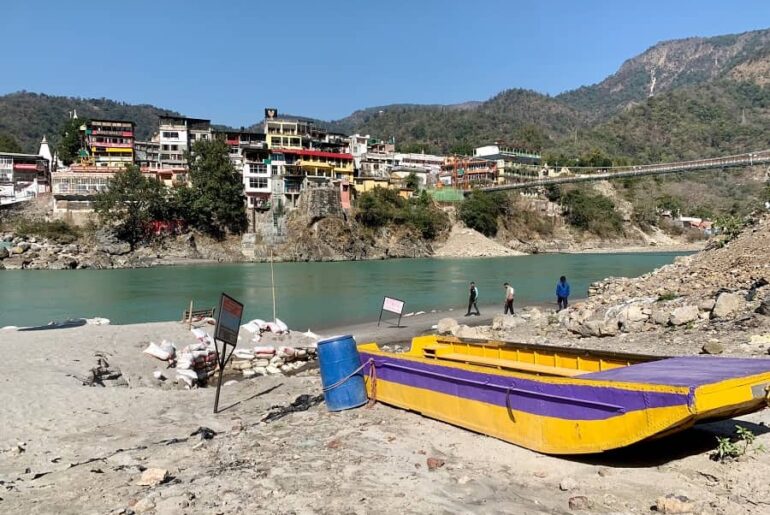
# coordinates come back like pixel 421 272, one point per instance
pixel 562 293
pixel 473 295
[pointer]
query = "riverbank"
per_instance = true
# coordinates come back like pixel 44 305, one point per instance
pixel 69 448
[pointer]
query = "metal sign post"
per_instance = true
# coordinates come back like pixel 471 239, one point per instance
pixel 392 305
pixel 226 333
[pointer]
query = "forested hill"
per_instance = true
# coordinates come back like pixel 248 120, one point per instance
pixel 685 98
pixel 27 117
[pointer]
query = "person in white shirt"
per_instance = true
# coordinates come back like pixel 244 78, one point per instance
pixel 509 294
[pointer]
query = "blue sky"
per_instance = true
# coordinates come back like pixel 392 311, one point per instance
pixel 228 60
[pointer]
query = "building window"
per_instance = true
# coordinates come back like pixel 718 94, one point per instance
pixel 258 182
pixel 170 134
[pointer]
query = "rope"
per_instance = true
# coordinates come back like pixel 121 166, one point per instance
pixel 373 383
pixel 344 379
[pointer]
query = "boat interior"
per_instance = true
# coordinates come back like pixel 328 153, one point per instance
pixel 529 358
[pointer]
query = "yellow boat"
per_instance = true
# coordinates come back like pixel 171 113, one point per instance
pixel 559 400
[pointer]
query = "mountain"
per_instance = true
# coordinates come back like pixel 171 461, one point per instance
pixel 515 116
pixel 30 116
pixel 671 65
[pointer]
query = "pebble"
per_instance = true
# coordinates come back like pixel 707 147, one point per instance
pixel 567 484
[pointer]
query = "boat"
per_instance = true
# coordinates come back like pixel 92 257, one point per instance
pixel 61 324
pixel 558 400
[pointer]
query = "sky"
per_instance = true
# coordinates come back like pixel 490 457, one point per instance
pixel 228 60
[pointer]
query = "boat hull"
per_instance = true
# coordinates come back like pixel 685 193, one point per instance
pixel 556 415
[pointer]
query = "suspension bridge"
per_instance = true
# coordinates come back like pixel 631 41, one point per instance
pixel 523 181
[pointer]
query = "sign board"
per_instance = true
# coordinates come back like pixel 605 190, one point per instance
pixel 271 113
pixel 392 305
pixel 229 320
pixel 226 332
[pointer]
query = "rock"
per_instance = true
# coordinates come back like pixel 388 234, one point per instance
pixel 248 372
pixel 24 246
pixel 506 322
pixel 17 250
pixel 674 504
pixel 153 477
pixel 684 315
pixel 107 242
pixel 706 304
pixel 463 480
pixel 3 252
pixel 580 503
pixel 435 463
pixel 660 316
pixel 727 304
pixel 567 484
pixel 760 339
pixel 764 307
pixel 712 347
pixel 143 505
pixel 445 325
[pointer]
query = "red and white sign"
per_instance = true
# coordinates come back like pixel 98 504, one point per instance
pixel 393 305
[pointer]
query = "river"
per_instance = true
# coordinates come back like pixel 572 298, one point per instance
pixel 309 295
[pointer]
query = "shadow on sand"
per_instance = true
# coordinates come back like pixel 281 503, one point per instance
pixel 656 452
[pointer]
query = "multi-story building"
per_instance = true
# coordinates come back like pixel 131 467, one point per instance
pixel 431 164
pixel 298 168
pixel 22 176
pixel 467 172
pixel 176 136
pixel 258 178
pixel 508 159
pixel 109 143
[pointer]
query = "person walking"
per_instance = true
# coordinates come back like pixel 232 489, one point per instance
pixel 473 295
pixel 509 293
pixel 562 293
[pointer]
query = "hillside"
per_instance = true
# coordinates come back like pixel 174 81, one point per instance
pixel 670 65
pixel 515 116
pixel 30 116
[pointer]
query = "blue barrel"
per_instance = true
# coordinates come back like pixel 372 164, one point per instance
pixel 338 359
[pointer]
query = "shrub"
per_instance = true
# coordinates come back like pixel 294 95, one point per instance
pixel 380 207
pixel 592 212
pixel 480 211
pixel 57 230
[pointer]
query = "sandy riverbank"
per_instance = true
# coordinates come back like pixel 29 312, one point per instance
pixel 68 448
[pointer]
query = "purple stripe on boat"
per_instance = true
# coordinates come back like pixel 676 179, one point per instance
pixel 691 371
pixel 566 401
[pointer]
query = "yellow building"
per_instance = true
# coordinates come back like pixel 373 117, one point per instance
pixel 285 133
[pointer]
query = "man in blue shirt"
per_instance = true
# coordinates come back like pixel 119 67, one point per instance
pixel 562 293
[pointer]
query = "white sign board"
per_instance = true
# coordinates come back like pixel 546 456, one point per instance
pixel 393 305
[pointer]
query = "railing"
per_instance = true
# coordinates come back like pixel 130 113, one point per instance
pixel 619 172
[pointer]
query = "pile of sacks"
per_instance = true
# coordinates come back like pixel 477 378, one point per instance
pixel 195 364
pixel 264 360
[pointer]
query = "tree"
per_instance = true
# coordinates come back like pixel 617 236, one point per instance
pixel 70 142
pixel 217 189
pixel 412 182
pixel 9 144
pixel 480 211
pixel 129 203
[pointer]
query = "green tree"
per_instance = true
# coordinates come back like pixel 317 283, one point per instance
pixel 592 212
pixel 412 182
pixel 217 189
pixel 9 144
pixel 480 211
pixel 129 203
pixel 70 141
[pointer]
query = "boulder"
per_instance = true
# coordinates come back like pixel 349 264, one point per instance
pixel 580 503
pixel 3 252
pixel 706 304
pixel 712 347
pixel 727 304
pixel 506 322
pixel 153 477
pixel 23 245
pixel 445 325
pixel 684 315
pixel 17 250
pixel 660 316
pixel 464 331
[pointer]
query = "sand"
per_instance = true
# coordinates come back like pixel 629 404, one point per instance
pixel 69 448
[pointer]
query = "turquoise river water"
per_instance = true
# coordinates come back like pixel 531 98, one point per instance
pixel 309 295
